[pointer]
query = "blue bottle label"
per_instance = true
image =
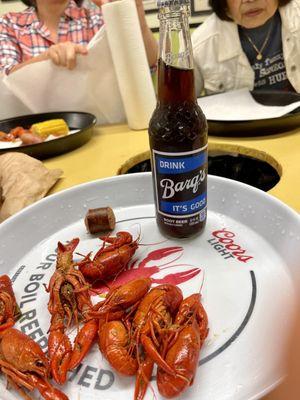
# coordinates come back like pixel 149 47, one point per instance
pixel 181 183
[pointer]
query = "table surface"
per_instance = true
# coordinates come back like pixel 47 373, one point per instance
pixel 116 148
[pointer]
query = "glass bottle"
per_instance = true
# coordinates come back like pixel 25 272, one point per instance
pixel 178 130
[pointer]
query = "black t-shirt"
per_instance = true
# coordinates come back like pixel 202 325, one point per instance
pixel 270 71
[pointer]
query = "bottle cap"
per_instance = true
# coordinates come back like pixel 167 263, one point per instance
pixel 168 3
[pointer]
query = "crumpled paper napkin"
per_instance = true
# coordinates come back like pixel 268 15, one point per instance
pixel 91 87
pixel 23 181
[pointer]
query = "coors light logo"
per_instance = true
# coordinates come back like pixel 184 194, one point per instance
pixel 224 242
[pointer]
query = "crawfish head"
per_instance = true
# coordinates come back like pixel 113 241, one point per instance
pixel 192 311
pixel 23 353
pixel 65 254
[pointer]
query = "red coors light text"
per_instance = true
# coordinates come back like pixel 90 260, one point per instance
pixel 223 242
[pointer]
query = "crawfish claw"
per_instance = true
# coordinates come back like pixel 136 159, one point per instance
pixel 83 342
pixel 60 350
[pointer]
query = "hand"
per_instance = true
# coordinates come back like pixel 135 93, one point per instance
pixel 64 54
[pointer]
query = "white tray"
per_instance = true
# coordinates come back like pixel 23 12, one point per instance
pixel 248 301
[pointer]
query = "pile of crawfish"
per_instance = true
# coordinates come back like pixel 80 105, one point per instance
pixel 136 326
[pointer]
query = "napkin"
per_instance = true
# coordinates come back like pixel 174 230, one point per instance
pixel 11 106
pixel 113 81
pixel 23 181
pixel 91 87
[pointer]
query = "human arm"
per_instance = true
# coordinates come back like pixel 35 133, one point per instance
pixel 150 42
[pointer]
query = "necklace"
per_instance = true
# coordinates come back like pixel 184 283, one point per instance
pixel 259 55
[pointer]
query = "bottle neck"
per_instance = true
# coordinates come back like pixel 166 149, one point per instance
pixel 175 70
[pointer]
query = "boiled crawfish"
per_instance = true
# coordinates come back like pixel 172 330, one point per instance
pixel 21 358
pixel 110 260
pixel 131 340
pixel 153 317
pixel 115 337
pixel 9 310
pixel 69 300
pixel 25 365
pixel 181 350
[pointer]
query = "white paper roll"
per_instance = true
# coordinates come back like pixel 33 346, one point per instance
pixel 130 61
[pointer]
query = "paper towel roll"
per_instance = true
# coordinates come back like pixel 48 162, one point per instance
pixel 130 61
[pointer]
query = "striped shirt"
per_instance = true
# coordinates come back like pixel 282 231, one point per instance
pixel 23 36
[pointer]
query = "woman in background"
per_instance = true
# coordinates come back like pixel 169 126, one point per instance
pixel 252 44
pixel 58 30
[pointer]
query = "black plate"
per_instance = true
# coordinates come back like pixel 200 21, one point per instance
pixel 75 120
pixel 262 126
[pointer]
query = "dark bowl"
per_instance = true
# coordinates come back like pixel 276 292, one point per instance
pixel 85 122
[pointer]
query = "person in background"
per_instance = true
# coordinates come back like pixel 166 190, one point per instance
pixel 252 44
pixel 58 30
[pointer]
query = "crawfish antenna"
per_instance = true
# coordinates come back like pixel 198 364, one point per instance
pixel 202 283
pixel 140 237
pixel 139 230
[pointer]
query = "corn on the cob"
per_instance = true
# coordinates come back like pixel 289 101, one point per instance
pixel 56 127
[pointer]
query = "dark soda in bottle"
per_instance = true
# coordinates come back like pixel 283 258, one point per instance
pixel 178 130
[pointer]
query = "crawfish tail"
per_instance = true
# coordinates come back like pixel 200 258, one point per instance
pixel 114 343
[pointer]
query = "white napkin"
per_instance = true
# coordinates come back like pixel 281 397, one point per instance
pixel 100 84
pixel 239 105
pixel 92 86
pixel 10 105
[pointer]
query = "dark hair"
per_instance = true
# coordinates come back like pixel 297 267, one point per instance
pixel 32 3
pixel 220 7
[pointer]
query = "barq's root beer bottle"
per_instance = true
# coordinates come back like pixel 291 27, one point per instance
pixel 178 130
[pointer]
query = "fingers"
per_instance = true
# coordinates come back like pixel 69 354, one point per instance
pixel 53 55
pixel 65 54
pixel 80 49
pixel 70 57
